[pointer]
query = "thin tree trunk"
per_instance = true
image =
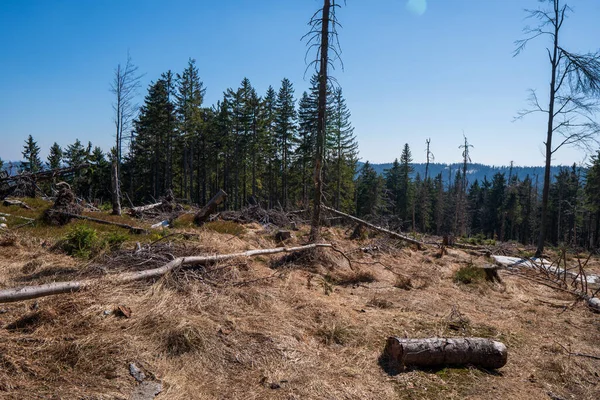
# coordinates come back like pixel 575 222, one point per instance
pixel 321 124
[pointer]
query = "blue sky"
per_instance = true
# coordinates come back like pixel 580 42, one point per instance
pixel 411 72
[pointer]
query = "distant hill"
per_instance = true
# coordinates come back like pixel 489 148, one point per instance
pixel 475 171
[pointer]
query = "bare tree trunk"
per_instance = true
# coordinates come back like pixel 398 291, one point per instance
pixel 321 124
pixel 546 190
pixel 433 352
pixel 116 192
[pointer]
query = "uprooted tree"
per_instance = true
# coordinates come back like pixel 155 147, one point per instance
pixel 574 83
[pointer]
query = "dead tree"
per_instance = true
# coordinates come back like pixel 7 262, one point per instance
pixel 323 26
pixel 124 86
pixel 435 352
pixel 574 82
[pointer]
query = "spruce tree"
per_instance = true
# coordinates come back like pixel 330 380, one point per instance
pixel 31 156
pixel 285 131
pixel 342 151
pixel 55 156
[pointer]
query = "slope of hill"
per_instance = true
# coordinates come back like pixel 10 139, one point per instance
pixel 276 327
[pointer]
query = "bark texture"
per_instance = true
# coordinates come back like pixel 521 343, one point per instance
pixel 210 207
pixel 433 352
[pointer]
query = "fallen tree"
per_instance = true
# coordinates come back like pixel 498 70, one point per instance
pixel 551 274
pixel 49 289
pixel 134 229
pixel 434 352
pixel 376 228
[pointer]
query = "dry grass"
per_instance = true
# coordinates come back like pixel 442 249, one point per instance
pixel 281 336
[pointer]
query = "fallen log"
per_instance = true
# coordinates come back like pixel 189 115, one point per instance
pixel 202 216
pixel 376 228
pixel 16 216
pixel 434 352
pixel 141 209
pixel 49 289
pixel 134 229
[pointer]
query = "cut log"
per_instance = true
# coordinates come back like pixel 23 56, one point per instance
pixel 134 229
pixel 437 352
pixel 202 216
pixel 16 216
pixel 32 292
pixel 376 228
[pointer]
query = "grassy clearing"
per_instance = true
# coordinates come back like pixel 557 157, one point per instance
pixel 232 330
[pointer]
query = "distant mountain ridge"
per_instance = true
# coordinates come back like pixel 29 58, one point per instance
pixel 474 171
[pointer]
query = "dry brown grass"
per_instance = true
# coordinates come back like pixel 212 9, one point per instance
pixel 280 335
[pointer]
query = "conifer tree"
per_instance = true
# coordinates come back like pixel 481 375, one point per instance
pixel 55 156
pixel 31 155
pixel 342 151
pixel 285 131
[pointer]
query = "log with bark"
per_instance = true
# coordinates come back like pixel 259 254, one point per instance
pixel 49 289
pixel 210 208
pixel 134 229
pixel 437 352
pixel 376 228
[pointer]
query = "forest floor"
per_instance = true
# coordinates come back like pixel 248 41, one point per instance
pixel 277 327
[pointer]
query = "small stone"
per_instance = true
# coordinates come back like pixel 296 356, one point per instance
pixel 137 373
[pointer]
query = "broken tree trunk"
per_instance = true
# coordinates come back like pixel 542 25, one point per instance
pixel 202 216
pixel 32 292
pixel 134 229
pixel 141 209
pixel 376 228
pixel 434 352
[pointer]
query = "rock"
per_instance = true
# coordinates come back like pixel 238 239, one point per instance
pixel 146 391
pixel 137 373
pixel 3 226
pixel 2 219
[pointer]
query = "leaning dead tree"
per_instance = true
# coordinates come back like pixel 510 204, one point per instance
pixel 572 96
pixel 49 289
pixel 376 228
pixel 435 352
pixel 324 38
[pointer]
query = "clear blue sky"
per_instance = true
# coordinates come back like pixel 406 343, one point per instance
pixel 410 73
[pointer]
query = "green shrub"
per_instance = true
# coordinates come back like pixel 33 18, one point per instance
pixel 469 274
pixel 116 239
pixel 82 241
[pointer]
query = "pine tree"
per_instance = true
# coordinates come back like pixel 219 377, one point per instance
pixel 592 200
pixel 154 132
pixel 304 153
pixel 342 151
pixel 55 156
pixel 189 99
pixel 285 131
pixel 31 155
pixel 405 199
pixel 271 175
pixel 369 192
